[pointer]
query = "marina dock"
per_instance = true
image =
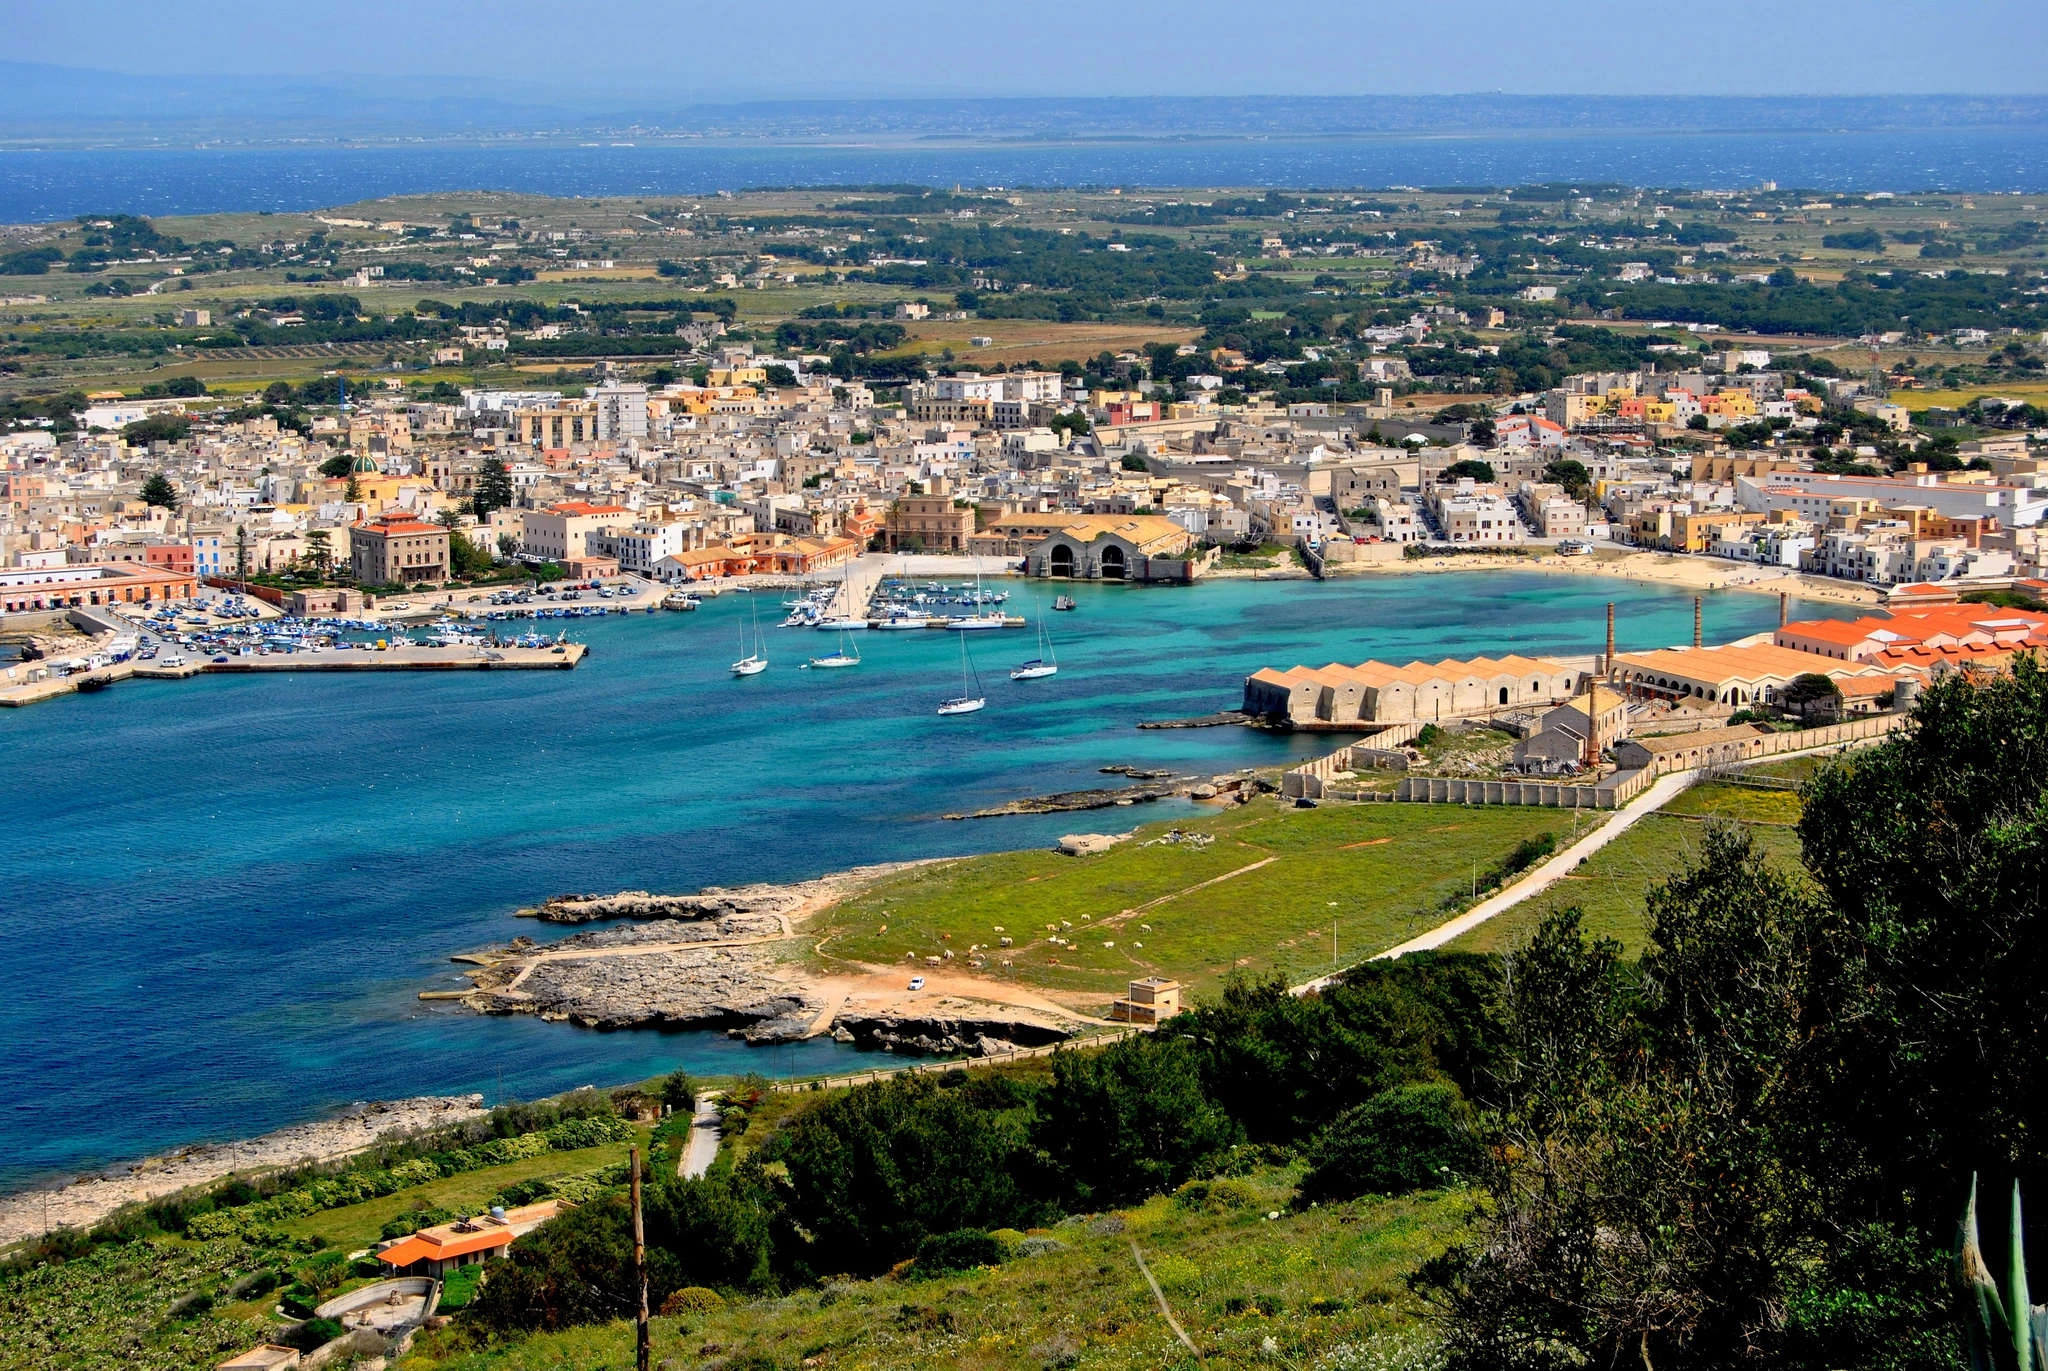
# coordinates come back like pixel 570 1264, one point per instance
pixel 561 657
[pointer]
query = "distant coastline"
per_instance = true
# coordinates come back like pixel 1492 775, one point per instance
pixel 59 179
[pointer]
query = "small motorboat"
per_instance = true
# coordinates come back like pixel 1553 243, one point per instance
pixel 1064 602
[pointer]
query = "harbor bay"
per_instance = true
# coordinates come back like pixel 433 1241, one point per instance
pixel 232 934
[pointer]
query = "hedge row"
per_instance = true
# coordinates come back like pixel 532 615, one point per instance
pixel 353 1187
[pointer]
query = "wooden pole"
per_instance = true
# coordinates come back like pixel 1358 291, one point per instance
pixel 639 1260
pixel 1608 665
pixel 1696 620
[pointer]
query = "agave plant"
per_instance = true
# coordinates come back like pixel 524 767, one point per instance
pixel 1999 1340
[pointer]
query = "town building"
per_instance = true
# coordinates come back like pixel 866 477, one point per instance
pixel 1138 547
pixel 930 522
pixel 398 549
pixel 565 530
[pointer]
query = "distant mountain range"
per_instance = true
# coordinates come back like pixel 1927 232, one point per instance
pixel 56 105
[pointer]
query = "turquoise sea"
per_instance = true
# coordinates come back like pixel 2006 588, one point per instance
pixel 222 896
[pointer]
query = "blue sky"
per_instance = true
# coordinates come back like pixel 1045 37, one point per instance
pixel 690 50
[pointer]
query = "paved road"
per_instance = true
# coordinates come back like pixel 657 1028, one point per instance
pixel 1552 871
pixel 704 1136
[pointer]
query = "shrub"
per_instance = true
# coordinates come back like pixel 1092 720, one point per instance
pixel 252 1285
pixel 311 1334
pixel 1216 1197
pixel 961 1250
pixel 1410 1138
pixel 458 1288
pixel 692 1299
pixel 412 1221
pixel 191 1306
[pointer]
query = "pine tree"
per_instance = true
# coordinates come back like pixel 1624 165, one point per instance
pixel 159 491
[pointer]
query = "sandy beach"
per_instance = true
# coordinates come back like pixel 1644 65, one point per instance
pixel 1690 572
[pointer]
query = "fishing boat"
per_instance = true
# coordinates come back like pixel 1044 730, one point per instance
pixel 755 662
pixel 969 622
pixel 1046 663
pixel 1064 602
pixel 970 697
pixel 904 621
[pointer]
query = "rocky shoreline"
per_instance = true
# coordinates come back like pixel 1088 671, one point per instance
pixel 719 959
pixel 1151 785
pixel 90 1199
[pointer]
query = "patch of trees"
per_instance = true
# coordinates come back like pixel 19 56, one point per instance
pixel 1854 240
pixel 1750 1148
pixel 827 335
pixel 921 1166
pixel 1860 303
pixel 1097 278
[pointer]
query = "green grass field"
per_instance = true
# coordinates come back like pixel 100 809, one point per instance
pixel 1311 1282
pixel 1613 884
pixel 1276 879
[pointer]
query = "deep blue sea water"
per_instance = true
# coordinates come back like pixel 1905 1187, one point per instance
pixel 222 896
pixel 36 186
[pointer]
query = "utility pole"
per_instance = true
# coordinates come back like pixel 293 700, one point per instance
pixel 639 1260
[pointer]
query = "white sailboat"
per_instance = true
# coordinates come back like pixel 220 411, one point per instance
pixel 970 698
pixel 1046 663
pixel 755 662
pixel 840 658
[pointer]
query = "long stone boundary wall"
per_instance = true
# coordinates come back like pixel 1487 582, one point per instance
pixel 1612 793
pixel 1311 780
pixel 1770 744
pixel 1308 780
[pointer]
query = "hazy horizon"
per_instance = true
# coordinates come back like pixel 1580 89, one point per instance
pixel 692 53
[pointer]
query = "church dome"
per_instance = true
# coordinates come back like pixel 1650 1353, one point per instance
pixel 366 465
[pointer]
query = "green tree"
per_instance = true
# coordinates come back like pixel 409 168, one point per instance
pixel 1129 1121
pixel 1933 851
pixel 1638 1205
pixel 159 491
pixel 1412 1138
pixel 339 465
pixel 278 393
pixel 1813 696
pixel 1471 468
pixel 320 549
pixel 875 1172
pixel 493 489
pixel 1570 473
